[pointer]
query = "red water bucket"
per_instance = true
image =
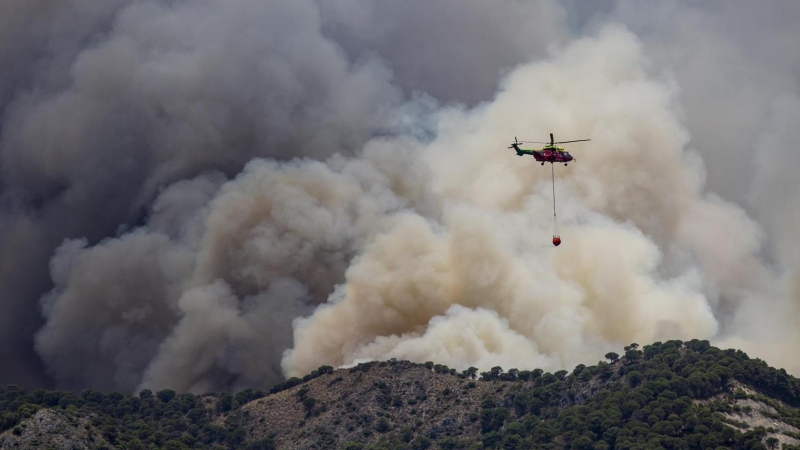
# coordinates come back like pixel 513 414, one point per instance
pixel 556 241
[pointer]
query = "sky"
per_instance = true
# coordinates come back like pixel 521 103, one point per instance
pixel 206 195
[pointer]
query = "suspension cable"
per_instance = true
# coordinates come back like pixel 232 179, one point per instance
pixel 555 218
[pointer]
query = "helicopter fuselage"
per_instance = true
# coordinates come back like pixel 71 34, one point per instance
pixel 551 154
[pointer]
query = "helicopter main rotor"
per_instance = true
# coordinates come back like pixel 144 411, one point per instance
pixel 552 141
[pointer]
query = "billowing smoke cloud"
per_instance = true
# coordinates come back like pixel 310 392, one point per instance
pixel 739 93
pixel 373 219
pixel 632 205
pixel 453 50
pixel 103 105
pixel 97 121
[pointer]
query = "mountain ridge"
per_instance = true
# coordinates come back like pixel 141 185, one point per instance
pixel 671 395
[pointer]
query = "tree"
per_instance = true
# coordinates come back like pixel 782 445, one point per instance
pixel 611 356
pixel 635 378
pixel 236 437
pixel 90 395
pixel 175 445
pixel 420 443
pixel 772 442
pixel 492 439
pixel 308 404
pixel 383 425
pixel 324 369
pixel 493 419
pixel 166 395
pixel 633 355
pixel 224 401
pixel 449 443
pixel 262 444
pixel 582 443
pixel 8 420
pixel 521 402
pixel 511 442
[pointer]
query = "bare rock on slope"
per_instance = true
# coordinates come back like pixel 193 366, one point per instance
pixel 53 429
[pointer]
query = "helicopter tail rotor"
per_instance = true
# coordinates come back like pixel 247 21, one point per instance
pixel 516 143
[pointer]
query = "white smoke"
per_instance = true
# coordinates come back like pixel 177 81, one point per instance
pixel 647 254
pixel 632 193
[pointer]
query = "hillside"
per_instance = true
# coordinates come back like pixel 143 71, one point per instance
pixel 670 395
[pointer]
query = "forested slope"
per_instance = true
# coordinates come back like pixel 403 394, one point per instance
pixel 671 395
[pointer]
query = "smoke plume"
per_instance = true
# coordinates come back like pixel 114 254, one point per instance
pixel 204 195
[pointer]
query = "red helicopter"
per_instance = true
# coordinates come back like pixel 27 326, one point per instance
pixel 549 153
pixel 552 154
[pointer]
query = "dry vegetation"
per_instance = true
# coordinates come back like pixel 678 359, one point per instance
pixel 363 404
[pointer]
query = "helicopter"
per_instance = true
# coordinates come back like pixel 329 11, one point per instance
pixel 552 154
pixel 549 153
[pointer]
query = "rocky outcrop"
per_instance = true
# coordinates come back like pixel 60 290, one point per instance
pixel 53 429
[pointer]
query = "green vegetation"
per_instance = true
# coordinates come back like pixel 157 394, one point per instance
pixel 294 381
pixel 147 421
pixel 670 395
pixel 651 402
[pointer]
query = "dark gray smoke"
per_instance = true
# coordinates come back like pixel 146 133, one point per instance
pixel 105 104
pixel 453 50
pixel 102 105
